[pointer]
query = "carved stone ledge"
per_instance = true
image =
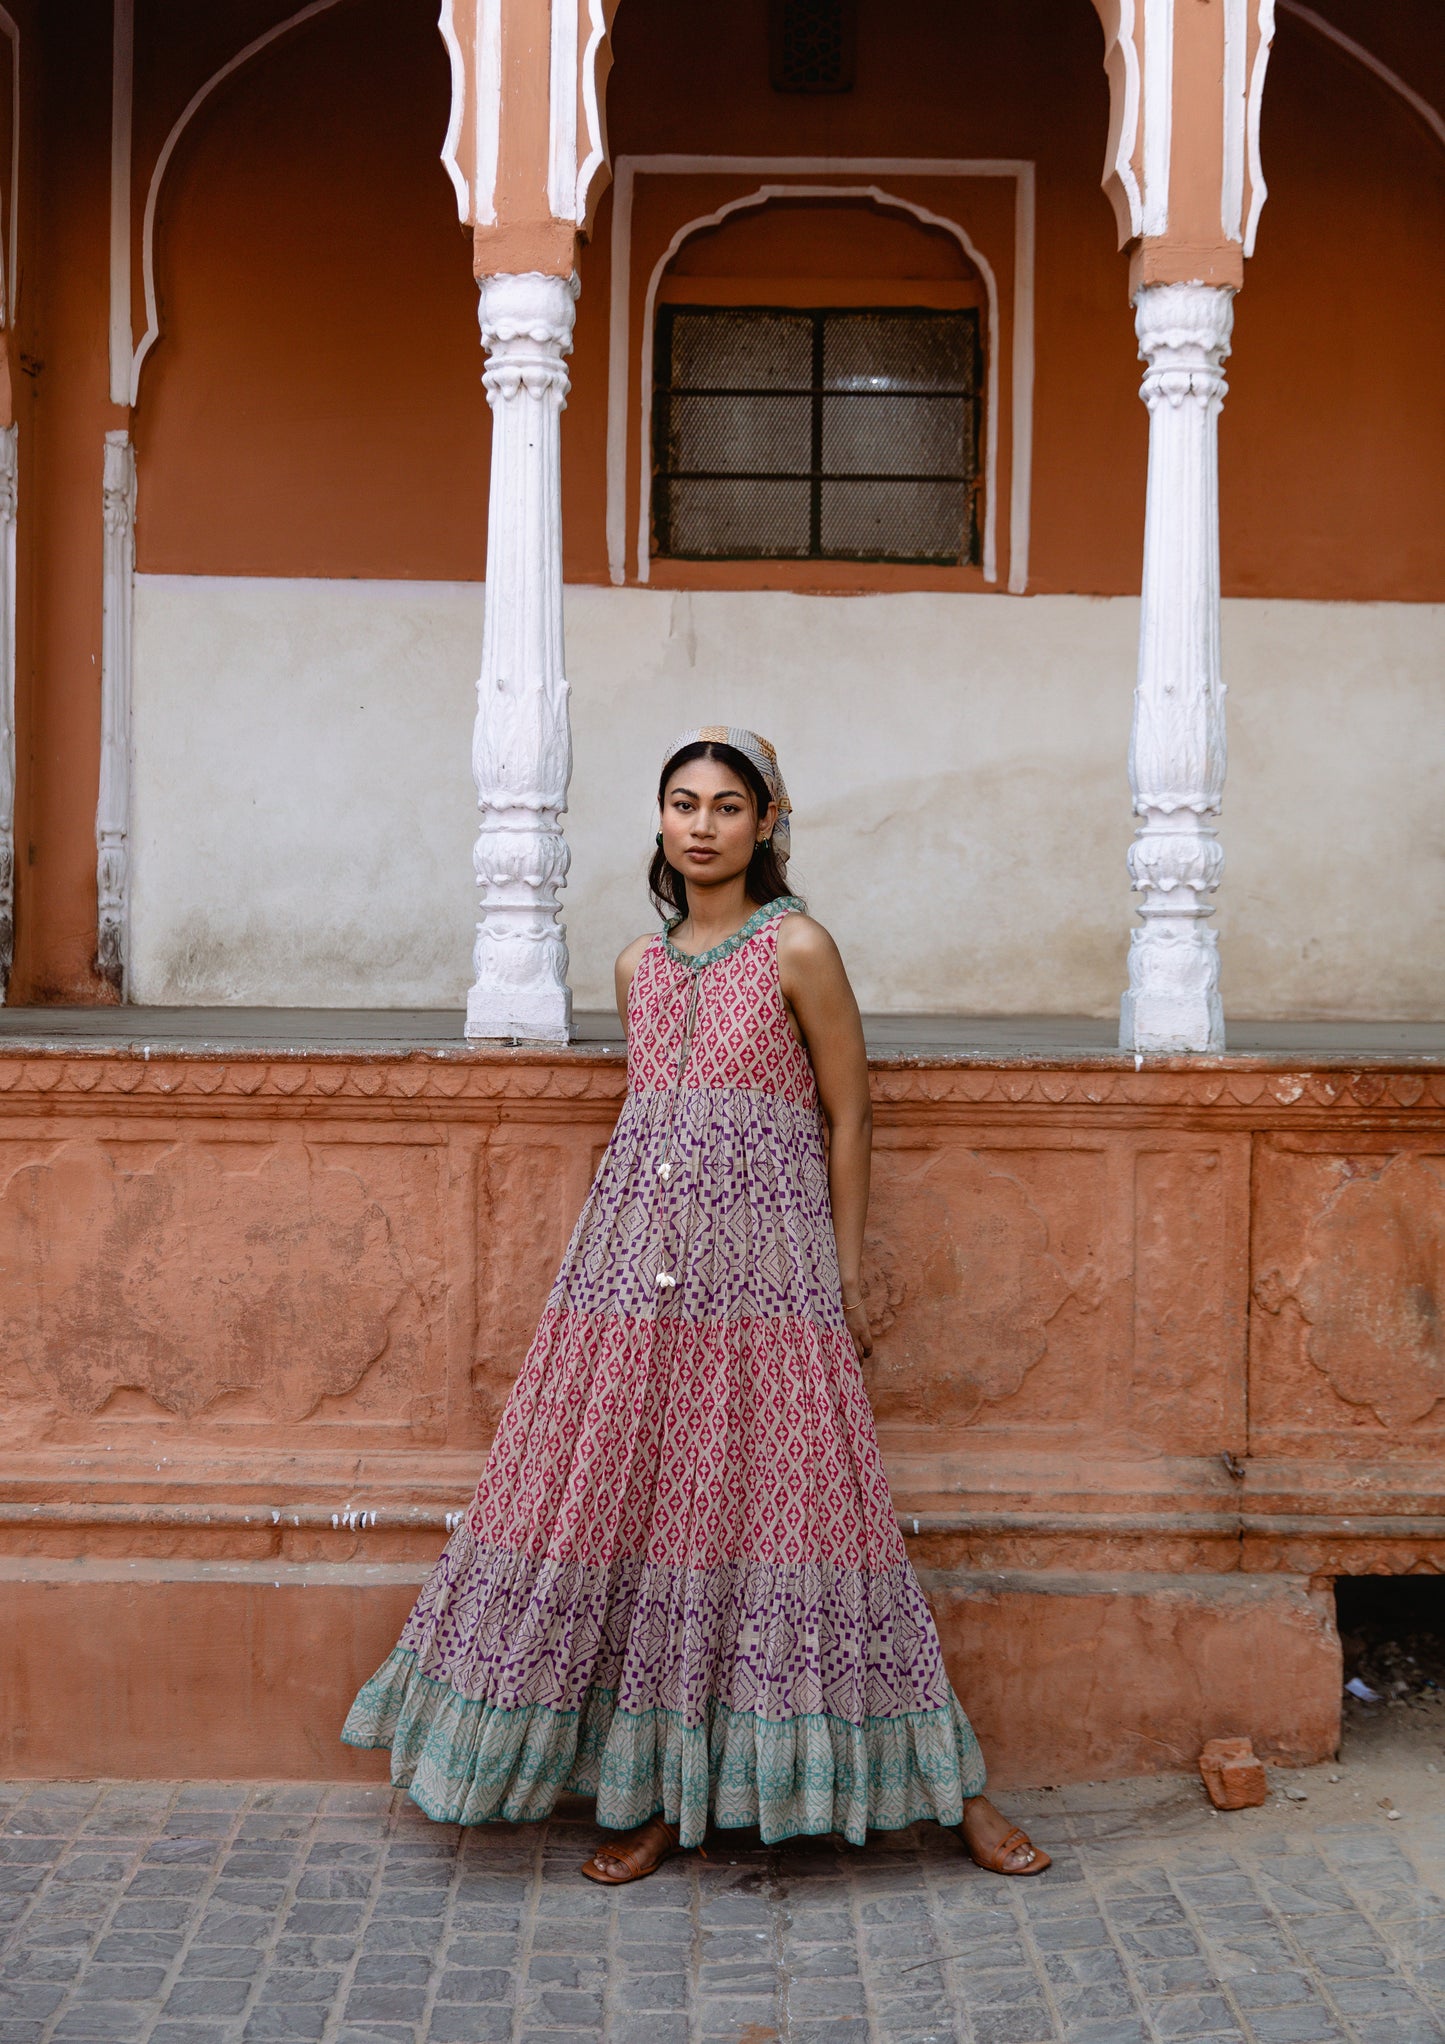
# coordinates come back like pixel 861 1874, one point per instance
pixel 311 1085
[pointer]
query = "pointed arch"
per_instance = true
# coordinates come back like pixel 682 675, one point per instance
pixel 192 107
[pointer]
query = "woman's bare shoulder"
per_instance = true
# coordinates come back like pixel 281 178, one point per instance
pixel 630 956
pixel 804 942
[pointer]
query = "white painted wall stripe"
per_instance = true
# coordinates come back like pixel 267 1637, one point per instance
pixel 562 89
pixel 1158 112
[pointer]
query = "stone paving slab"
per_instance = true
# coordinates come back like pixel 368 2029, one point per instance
pixel 230 1913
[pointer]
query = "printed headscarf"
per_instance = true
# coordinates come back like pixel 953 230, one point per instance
pixel 754 747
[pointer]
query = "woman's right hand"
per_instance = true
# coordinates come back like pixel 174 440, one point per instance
pixel 857 1319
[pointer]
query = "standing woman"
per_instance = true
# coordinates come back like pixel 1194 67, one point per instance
pixel 680 1587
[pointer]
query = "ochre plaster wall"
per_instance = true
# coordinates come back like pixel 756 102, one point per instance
pixel 304 810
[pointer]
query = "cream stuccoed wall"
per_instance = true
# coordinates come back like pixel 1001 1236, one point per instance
pixel 303 807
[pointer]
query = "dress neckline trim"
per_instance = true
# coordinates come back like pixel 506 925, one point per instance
pixel 783 904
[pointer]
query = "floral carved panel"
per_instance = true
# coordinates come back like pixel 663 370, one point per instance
pixel 533 1182
pixel 1190 1287
pixel 255 1281
pixel 984 1282
pixel 1348 1319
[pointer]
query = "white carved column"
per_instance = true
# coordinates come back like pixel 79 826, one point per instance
pixel 1176 750
pixel 9 438
pixel 112 814
pixel 522 744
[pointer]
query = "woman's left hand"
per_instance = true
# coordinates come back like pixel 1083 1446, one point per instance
pixel 862 1333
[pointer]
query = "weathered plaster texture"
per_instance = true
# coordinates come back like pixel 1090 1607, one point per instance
pixel 303 807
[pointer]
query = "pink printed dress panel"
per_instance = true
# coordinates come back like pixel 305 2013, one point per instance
pixel 680 1586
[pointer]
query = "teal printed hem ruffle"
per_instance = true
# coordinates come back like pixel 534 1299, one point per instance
pixel 465 1762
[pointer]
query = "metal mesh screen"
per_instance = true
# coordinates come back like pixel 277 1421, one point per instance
pixel 811 45
pixel 846 435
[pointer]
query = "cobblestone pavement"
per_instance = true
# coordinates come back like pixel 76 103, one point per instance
pixel 251 1914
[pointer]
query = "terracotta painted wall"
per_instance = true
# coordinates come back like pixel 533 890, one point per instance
pixel 63 410
pixel 263 1314
pixel 314 405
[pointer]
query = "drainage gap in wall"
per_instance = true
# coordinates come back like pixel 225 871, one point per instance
pixel 1392 1631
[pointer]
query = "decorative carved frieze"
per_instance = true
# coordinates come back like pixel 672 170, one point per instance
pixel 1176 748
pixel 112 814
pixel 550 1080
pixel 522 745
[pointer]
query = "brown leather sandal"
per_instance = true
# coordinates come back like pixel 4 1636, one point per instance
pixel 631 1857
pixel 994 1862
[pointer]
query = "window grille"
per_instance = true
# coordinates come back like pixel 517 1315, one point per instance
pixel 816 435
pixel 811 45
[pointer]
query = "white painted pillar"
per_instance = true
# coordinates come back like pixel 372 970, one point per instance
pixel 1176 749
pixel 522 743
pixel 112 813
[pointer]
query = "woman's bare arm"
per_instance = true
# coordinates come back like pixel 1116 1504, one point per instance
pixel 815 986
pixel 627 964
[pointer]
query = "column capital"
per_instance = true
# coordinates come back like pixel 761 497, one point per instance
pixel 1184 333
pixel 1184 316
pixel 527 305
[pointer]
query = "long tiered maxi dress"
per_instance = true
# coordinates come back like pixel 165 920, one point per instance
pixel 680 1586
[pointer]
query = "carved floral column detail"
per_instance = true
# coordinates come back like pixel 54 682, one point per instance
pixel 522 743
pixel 9 439
pixel 112 814
pixel 1176 750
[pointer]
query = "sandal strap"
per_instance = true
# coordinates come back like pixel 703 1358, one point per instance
pixel 1017 1837
pixel 632 1856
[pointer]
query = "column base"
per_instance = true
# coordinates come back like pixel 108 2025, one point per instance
pixel 1172 1006
pixel 519 1015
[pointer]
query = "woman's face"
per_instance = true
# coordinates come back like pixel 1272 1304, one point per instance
pixel 709 825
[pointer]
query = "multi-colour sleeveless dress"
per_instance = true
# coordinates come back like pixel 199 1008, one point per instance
pixel 680 1586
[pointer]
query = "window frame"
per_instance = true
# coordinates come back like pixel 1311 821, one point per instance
pixel 664 391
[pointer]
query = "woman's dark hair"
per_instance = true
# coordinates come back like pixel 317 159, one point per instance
pixel 766 878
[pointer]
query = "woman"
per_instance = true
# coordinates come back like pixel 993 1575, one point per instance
pixel 681 1587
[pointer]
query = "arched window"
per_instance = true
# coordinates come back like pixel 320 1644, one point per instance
pixel 818 392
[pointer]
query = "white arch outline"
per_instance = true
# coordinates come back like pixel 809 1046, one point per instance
pixel 1254 105
pixel 193 105
pixel 764 196
pixel 1430 115
pixel 1121 68
pixel 592 111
